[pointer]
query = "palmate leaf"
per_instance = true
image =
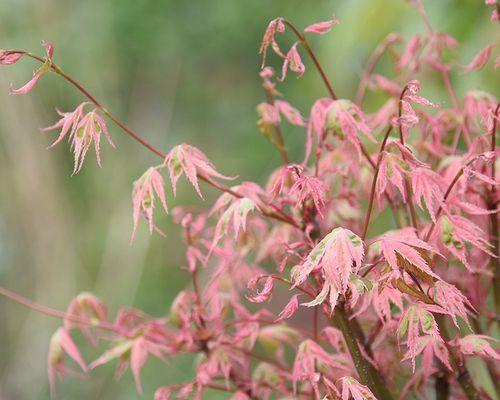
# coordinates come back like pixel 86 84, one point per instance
pixel 192 162
pixel 455 231
pixel 403 250
pixel 351 388
pixel 477 345
pixel 338 254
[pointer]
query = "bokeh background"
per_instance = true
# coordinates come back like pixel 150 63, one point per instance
pixel 176 71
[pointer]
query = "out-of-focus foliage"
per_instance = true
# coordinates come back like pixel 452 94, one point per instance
pixel 177 71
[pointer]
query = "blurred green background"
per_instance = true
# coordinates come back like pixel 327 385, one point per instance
pixel 176 71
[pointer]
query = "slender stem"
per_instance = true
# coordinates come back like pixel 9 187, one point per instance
pixel 393 207
pixel 279 134
pixel 373 265
pixel 111 116
pixel 449 88
pixel 368 375
pixel 445 197
pixel 367 156
pixel 425 17
pixel 370 66
pixel 400 111
pixel 315 323
pixel 303 41
pixel 198 299
pixel 463 377
pixel 374 182
pixel 444 74
pixel 52 312
pixel 58 70
pixel 411 206
pixel 277 214
pixel 374 333
pixel 492 205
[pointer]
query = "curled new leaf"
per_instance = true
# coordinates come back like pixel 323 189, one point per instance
pixel 320 28
pixel 293 61
pixel 46 66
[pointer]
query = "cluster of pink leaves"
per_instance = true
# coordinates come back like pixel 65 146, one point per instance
pixel 403 290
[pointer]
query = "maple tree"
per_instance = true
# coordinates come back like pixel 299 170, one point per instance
pixel 394 313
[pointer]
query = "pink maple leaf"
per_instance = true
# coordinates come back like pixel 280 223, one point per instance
pixel 323 27
pixel 234 216
pixel 318 114
pixel 337 255
pixel 409 117
pixel 60 344
pixel 139 352
pixel 192 162
pixel 391 175
pixel 480 60
pixel 428 185
pixel 148 338
pixel 49 50
pixel 88 307
pixel 275 26
pixel 283 179
pixel 351 388
pixel 8 57
pixel 382 298
pixel 310 187
pixel 146 188
pixel 478 108
pixel 410 95
pixel 289 309
pixel 309 360
pixel 83 131
pixel 453 301
pixel 477 345
pixel 293 61
pixel 455 231
pixel 68 123
pixel 430 347
pixel 404 243
pixel 411 52
pixel 88 131
pixel 290 113
pixel 268 113
pixel 381 82
pixel 259 296
pixel 346 120
pixel 418 320
pixel 163 393
pixel 316 123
